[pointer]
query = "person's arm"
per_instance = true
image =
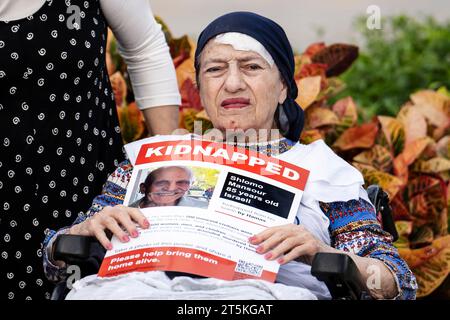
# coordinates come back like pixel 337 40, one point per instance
pixel 354 231
pixel 113 193
pixel 359 233
pixel 161 120
pixel 143 46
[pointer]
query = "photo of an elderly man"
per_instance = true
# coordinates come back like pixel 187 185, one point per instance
pixel 168 186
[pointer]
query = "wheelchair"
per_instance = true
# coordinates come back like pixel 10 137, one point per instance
pixel 336 270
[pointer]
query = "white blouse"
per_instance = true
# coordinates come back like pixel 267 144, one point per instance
pixel 141 43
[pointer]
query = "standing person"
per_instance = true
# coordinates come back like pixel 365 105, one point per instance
pixel 60 136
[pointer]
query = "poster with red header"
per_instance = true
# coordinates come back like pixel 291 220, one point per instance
pixel 203 201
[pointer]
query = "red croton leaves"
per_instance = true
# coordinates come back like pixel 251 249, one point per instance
pixel 345 109
pixel 430 264
pixel 362 136
pixel 131 122
pixel 435 107
pixel 427 201
pixel 393 135
pixel 338 57
pixel 131 119
pixel 317 116
pixel 190 97
pixel 180 58
pixel 399 209
pixel 313 48
pixel 390 183
pixel 411 165
pixel 309 136
pixel 119 87
pixel 378 156
pixel 308 91
pixel 313 69
pixel 409 154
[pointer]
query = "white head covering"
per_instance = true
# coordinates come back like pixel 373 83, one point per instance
pixel 241 41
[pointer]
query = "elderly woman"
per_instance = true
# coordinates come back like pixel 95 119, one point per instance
pixel 245 65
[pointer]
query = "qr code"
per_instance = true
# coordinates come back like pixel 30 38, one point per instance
pixel 249 268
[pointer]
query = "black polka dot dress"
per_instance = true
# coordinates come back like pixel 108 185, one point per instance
pixel 59 133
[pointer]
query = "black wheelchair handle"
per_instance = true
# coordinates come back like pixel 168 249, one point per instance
pixel 72 248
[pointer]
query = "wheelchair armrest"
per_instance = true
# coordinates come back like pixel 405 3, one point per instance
pixel 72 249
pixel 85 252
pixel 340 274
pixel 69 247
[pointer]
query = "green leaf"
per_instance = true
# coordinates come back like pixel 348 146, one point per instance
pixel 405 55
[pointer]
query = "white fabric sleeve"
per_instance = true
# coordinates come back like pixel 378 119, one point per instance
pixel 143 46
pixel 11 10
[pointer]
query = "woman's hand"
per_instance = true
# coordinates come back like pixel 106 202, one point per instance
pixel 292 242
pixel 120 220
pixel 288 242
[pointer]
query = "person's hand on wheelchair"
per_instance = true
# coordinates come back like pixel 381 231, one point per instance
pixel 294 242
pixel 120 220
pixel 289 242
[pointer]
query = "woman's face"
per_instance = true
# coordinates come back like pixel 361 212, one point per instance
pixel 239 89
pixel 170 185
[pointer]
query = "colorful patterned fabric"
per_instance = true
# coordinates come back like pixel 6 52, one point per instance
pixel 354 228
